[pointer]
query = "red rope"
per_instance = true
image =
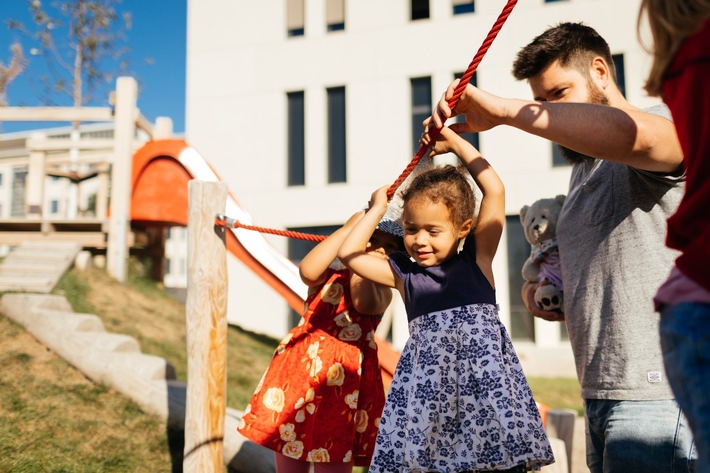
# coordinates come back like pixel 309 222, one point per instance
pixel 458 91
pixel 225 221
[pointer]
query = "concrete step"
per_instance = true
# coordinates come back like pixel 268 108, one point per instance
pixel 36 266
pixel 28 269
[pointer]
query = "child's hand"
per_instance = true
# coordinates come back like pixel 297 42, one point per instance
pixel 445 142
pixel 378 200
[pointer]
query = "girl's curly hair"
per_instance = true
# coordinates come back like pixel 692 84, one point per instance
pixel 448 185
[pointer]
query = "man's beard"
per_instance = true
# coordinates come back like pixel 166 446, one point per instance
pixel 595 96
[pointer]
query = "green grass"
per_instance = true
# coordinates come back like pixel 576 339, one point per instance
pixel 557 393
pixel 52 419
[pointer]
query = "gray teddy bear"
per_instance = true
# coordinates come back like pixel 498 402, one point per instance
pixel 540 225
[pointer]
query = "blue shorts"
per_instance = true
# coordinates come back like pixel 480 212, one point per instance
pixel 637 437
pixel 685 341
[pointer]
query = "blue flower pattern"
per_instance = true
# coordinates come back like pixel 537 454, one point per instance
pixel 459 401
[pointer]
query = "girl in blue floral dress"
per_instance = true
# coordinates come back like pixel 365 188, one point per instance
pixel 459 401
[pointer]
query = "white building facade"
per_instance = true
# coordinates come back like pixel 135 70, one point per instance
pixel 304 107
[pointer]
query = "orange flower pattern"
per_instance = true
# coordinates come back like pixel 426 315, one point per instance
pixel 322 396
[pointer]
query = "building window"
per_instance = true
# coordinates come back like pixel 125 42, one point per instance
pixel 295 17
pixel 421 108
pixel 298 249
pixel 420 9
pixel 167 265
pixel 296 140
pixel 336 135
pixel 521 320
pixel 335 15
pixel 1 176
pixel 54 207
pixel 472 138
pixel 620 73
pixel 463 6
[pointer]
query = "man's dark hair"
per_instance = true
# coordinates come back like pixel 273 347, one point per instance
pixel 573 44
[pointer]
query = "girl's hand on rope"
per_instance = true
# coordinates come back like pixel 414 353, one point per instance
pixel 378 200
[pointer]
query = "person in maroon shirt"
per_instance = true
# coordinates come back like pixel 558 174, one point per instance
pixel 680 75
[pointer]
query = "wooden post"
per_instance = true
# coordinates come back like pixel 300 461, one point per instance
pixel 206 314
pixel 123 134
pixel 163 128
pixel 34 202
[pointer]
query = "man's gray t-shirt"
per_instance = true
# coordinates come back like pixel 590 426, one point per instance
pixel 611 236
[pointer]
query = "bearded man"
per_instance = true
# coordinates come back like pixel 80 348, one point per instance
pixel 627 179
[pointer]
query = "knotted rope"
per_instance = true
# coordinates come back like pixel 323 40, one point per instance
pixel 458 91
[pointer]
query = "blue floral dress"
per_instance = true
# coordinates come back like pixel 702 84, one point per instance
pixel 459 401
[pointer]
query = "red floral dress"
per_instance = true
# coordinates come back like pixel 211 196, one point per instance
pixel 321 398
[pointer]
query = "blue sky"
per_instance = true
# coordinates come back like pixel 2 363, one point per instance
pixel 158 34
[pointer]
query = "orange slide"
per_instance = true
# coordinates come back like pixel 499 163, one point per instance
pixel 170 164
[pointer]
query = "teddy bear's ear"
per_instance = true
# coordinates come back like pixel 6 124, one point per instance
pixel 523 211
pixel 560 198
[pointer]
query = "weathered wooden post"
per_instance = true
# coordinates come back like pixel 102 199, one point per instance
pixel 123 134
pixel 34 201
pixel 206 313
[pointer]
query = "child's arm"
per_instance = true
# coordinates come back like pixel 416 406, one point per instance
pixel 315 264
pixel 369 298
pixel 353 252
pixel 491 214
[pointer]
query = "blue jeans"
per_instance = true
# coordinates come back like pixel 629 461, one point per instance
pixel 637 437
pixel 685 341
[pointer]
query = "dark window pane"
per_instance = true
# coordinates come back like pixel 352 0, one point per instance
pixel 421 107
pixel 296 141
pixel 336 135
pixel 620 72
pixel 420 9
pixel 521 320
pixel 464 6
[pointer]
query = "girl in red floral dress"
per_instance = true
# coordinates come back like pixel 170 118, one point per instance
pixel 320 400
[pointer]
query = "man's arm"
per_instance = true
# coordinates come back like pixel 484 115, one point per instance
pixel 628 136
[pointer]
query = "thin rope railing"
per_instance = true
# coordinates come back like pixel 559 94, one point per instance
pixel 458 91
pixel 224 221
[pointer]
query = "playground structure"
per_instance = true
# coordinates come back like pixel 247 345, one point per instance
pixel 137 175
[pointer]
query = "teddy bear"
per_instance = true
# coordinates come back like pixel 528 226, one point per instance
pixel 540 225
